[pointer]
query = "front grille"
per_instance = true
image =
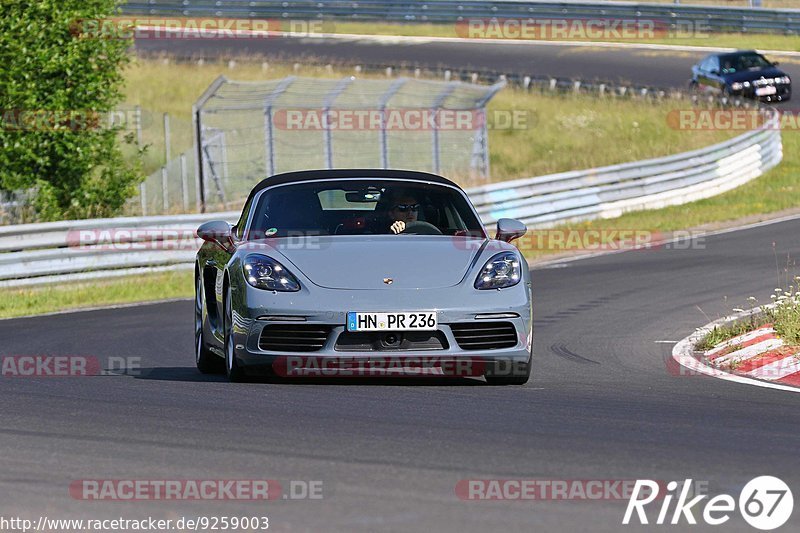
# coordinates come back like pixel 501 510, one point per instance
pixel 377 341
pixel 764 82
pixel 484 335
pixel 293 337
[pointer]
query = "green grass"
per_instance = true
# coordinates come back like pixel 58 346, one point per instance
pixel 16 302
pixel 726 40
pixel 785 315
pixel 722 333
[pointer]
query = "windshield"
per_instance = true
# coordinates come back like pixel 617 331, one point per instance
pixel 744 62
pixel 363 207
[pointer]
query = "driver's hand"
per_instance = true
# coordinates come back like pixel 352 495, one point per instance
pixel 398 227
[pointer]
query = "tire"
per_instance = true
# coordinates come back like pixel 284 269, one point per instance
pixel 207 362
pixel 235 373
pixel 518 379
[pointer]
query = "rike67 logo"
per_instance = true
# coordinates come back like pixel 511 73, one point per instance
pixel 765 503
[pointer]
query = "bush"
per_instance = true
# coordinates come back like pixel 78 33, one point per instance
pixel 65 81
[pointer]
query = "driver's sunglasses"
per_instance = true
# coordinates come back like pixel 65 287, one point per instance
pixel 405 208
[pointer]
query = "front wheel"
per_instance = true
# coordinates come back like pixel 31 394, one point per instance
pixel 232 369
pixel 206 361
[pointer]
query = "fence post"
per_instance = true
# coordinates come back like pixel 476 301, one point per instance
pixel 390 92
pixel 435 108
pixel 165 188
pixel 184 184
pixel 269 145
pixel 197 130
pixel 166 138
pixel 326 109
pixel 137 111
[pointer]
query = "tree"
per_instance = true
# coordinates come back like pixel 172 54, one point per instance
pixel 56 85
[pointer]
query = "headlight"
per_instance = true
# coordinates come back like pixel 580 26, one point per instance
pixel 783 79
pixel 501 271
pixel 263 272
pixel 737 86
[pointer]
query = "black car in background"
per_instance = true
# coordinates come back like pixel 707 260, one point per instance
pixel 743 73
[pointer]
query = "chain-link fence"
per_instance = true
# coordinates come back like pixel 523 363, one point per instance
pixel 168 160
pixel 250 130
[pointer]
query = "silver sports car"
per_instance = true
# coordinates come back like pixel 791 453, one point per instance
pixel 362 273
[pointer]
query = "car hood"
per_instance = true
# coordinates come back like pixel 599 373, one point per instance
pixel 750 75
pixel 363 262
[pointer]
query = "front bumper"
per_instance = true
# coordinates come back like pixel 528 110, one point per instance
pixel 783 92
pixel 329 307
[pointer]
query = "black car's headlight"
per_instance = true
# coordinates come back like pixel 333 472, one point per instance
pixel 263 272
pixel 783 80
pixel 501 271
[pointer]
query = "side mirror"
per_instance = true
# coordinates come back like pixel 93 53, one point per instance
pixel 776 63
pixel 218 232
pixel 509 229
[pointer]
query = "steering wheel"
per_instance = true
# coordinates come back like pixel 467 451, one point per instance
pixel 421 228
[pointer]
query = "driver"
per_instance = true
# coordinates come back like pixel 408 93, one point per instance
pixel 402 209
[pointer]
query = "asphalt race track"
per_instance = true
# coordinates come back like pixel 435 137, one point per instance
pixel 601 405
pixel 655 68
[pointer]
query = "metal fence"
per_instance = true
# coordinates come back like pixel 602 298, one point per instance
pixel 249 130
pixel 678 16
pixel 76 250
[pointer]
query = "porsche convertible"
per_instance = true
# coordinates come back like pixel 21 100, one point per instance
pixel 362 273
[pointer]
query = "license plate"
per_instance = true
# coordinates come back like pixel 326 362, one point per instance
pixel 766 91
pixel 418 321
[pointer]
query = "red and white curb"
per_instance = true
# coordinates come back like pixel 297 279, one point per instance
pixel 756 358
pixel 758 354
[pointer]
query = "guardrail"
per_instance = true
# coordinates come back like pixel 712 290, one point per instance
pixel 76 250
pixel 676 16
pixel 610 191
pixel 68 251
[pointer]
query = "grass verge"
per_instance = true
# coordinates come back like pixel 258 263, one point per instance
pixel 15 302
